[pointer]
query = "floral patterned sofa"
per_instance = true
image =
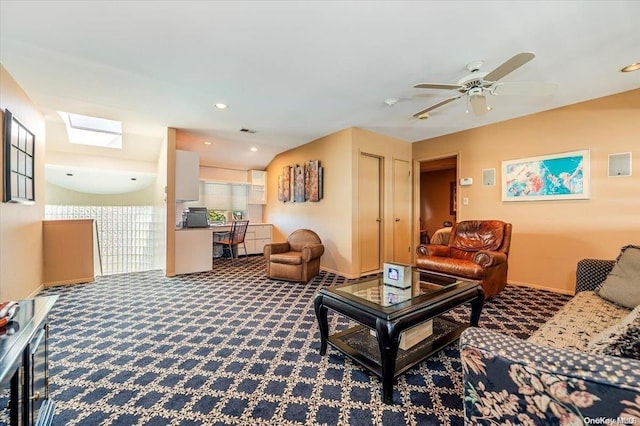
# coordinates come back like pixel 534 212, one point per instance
pixel 553 377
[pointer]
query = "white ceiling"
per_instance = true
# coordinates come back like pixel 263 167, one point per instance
pixel 296 71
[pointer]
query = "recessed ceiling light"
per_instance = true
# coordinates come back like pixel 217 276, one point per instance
pixel 254 149
pixel 221 106
pixel 206 143
pixel 631 67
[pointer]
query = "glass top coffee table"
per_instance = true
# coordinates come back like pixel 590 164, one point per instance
pixel 400 327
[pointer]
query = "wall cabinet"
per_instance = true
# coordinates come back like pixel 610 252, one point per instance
pixel 258 187
pixel 187 175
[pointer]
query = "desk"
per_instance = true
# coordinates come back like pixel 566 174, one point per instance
pixel 258 235
pixel 219 233
pixel 194 246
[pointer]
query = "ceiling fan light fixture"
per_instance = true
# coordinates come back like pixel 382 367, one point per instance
pixel 475 91
pixel 476 84
pixel 478 104
pixel 631 67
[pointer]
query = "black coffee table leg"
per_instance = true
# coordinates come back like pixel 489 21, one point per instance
pixel 476 308
pixel 388 341
pixel 321 315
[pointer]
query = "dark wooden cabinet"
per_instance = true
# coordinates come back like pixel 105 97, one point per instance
pixel 24 365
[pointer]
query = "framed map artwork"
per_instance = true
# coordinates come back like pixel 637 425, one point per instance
pixel 547 177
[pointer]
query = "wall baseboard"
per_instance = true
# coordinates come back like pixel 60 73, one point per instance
pixel 36 291
pixel 331 271
pixel 541 287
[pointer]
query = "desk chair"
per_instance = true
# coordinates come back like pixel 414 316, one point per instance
pixel 234 238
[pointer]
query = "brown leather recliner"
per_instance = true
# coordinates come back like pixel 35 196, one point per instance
pixel 478 250
pixel 298 259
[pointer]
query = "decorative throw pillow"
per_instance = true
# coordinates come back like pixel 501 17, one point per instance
pixel 622 285
pixel 622 339
pixel 628 345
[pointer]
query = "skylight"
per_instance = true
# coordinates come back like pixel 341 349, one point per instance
pixel 93 131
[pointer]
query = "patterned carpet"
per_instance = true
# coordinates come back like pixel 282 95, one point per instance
pixel 231 347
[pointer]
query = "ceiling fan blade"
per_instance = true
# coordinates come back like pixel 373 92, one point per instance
pixel 438 105
pixel 479 104
pixel 524 89
pixel 438 86
pixel 509 66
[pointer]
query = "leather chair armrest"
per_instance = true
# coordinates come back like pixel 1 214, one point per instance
pixel 488 258
pixel 312 251
pixel 433 250
pixel 275 248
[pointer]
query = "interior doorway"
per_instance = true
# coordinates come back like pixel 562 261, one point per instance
pixel 438 195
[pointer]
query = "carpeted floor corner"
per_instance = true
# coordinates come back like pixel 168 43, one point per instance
pixel 231 347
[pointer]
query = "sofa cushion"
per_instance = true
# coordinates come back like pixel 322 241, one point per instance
pixel 622 339
pixel 577 322
pixel 288 258
pixel 622 285
pixel 452 266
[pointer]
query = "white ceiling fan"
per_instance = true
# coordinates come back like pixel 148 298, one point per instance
pixel 476 84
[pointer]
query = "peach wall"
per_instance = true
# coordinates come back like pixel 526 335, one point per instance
pixel 160 207
pixel 170 212
pixel 21 250
pixel 549 237
pixel 334 218
pixel 331 217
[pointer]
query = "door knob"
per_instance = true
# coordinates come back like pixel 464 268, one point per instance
pixel 397 219
pixel 379 219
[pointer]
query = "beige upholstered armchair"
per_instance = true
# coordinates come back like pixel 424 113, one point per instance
pixel 477 250
pixel 297 259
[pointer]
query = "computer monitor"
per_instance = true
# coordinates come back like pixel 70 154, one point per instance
pixel 197 219
pixel 198 209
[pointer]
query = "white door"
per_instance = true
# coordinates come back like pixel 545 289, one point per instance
pixel 370 213
pixel 401 211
